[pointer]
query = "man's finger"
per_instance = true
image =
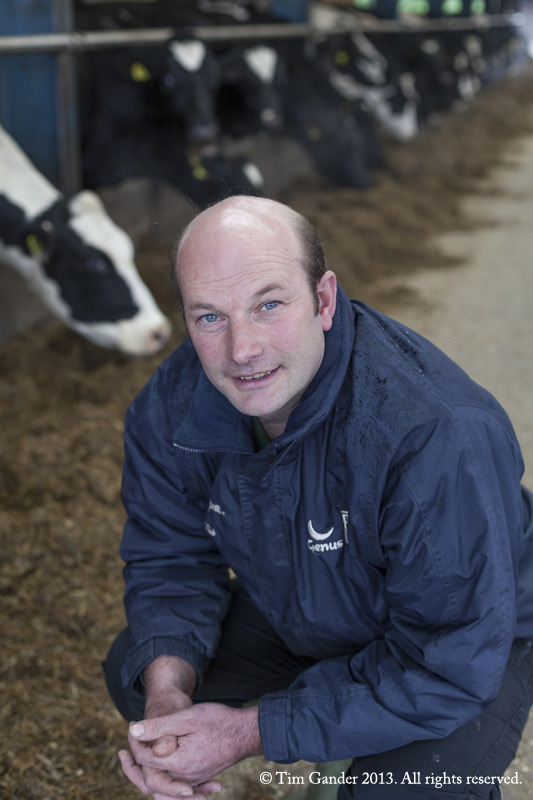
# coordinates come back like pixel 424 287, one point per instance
pixel 154 782
pixel 210 787
pixel 132 771
pixel 205 789
pixel 161 782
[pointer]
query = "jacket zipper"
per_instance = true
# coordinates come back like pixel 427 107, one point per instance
pixel 204 451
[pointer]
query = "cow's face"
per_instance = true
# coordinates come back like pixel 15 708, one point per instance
pixel 79 262
pixel 125 315
pixel 89 283
pixel 190 77
pixel 81 265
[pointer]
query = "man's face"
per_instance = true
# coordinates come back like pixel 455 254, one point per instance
pixel 251 315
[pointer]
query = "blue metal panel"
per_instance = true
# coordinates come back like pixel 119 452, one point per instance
pixel 291 10
pixel 27 85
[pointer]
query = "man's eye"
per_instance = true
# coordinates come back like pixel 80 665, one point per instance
pixel 271 305
pixel 209 318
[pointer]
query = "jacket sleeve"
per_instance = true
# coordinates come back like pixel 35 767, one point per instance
pixel 176 584
pixel 448 522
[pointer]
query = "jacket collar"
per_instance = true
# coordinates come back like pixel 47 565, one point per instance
pixel 212 424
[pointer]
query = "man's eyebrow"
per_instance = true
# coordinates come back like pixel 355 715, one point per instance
pixel 201 307
pixel 271 287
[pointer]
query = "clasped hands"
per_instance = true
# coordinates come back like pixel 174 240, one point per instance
pixel 177 755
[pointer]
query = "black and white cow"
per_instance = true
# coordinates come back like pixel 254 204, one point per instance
pixel 148 112
pixel 191 80
pixel 369 73
pixel 175 80
pixel 184 78
pixel 203 174
pixel 79 262
pixel 249 99
pixel 506 49
pixel 339 135
pixel 446 67
pixel 128 86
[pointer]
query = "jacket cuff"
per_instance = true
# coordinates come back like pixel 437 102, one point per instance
pixel 273 717
pixel 142 654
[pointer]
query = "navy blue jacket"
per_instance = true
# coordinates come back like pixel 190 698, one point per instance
pixel 385 533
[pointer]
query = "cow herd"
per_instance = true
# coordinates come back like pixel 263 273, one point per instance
pixel 169 112
pixel 173 111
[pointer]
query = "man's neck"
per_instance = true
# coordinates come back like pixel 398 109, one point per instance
pixel 273 429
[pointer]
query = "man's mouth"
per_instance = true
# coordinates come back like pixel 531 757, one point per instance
pixel 255 377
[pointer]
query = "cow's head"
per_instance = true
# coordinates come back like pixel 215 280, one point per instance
pixel 83 268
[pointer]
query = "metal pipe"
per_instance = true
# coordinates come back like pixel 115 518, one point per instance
pixel 67 124
pixel 81 41
pixel 94 40
pixel 425 25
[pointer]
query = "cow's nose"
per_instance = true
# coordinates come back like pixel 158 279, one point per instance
pixel 159 337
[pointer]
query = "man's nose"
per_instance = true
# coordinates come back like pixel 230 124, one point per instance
pixel 245 342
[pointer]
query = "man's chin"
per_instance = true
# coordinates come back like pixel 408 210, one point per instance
pixel 253 405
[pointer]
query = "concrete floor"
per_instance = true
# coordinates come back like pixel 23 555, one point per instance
pixel 481 314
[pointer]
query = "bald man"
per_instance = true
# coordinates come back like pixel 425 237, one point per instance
pixel 366 494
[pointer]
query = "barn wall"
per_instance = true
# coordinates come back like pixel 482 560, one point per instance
pixel 28 85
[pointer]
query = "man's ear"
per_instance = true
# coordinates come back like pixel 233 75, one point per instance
pixel 327 298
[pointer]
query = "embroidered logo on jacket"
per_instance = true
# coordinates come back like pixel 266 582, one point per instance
pixel 318 542
pixel 318 537
pixel 216 508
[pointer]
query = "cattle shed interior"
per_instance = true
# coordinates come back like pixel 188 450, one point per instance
pixel 393 125
pixel 61 62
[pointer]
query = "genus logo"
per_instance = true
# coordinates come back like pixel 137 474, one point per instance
pixel 318 537
pixel 318 542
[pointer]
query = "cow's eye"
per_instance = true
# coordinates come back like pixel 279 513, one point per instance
pixel 96 264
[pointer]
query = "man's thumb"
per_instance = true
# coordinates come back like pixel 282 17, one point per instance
pixel 165 746
pixel 150 730
pixel 154 730
pixel 146 731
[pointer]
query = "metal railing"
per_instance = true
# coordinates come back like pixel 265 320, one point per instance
pixel 93 40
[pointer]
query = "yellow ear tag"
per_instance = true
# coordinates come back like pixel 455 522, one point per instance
pixel 314 133
pixel 341 58
pixel 33 244
pixel 200 173
pixel 139 72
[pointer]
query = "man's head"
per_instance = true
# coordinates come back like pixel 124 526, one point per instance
pixel 257 300
pixel 312 254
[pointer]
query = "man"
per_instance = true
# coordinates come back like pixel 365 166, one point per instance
pixel 366 494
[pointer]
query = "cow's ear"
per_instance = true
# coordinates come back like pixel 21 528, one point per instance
pixel 38 237
pixel 85 203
